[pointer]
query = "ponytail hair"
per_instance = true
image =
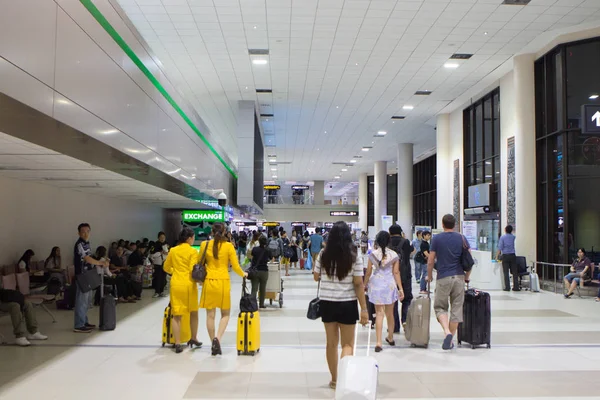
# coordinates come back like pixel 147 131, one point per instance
pixel 218 233
pixel 383 240
pixel 185 234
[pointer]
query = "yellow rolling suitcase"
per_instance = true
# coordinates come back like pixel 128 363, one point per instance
pixel 248 333
pixel 167 331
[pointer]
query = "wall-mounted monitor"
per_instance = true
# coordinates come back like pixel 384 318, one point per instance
pixel 479 195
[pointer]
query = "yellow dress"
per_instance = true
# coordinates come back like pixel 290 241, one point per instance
pixel 216 289
pixel 184 290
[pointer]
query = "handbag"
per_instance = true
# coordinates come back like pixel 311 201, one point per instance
pixel 199 272
pixel 248 303
pixel 466 258
pixel 314 307
pixel 88 280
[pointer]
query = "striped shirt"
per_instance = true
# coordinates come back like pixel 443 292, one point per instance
pixel 333 289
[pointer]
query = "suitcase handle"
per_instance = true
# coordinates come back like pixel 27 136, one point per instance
pixel 356 339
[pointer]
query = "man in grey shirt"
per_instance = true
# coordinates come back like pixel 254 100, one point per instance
pixel 506 247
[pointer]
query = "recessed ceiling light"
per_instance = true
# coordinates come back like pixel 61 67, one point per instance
pixel 356 64
pixel 593 97
pixel 63 101
pixel 274 177
pixel 113 131
pixel 255 27
pixel 451 65
pixel 337 106
pixel 273 160
pixel 485 33
pixel 246 87
pixel 325 131
pixel 353 161
pixel 260 61
pixel 366 148
pixel 336 177
pixel 408 107
pixel 273 169
pixel 344 169
pixel 382 133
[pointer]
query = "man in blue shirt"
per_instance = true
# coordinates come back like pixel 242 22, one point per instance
pixel 506 247
pixel 315 244
pixel 447 247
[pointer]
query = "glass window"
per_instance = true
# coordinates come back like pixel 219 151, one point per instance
pixel 487 128
pixel 496 123
pixel 478 132
pixel 583 79
pixel 488 170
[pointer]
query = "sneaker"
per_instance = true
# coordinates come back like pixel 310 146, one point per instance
pixel 82 330
pixel 90 326
pixel 37 336
pixel 22 341
pixel 155 296
pixel 164 295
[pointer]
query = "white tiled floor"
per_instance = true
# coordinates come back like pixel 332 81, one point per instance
pixel 542 345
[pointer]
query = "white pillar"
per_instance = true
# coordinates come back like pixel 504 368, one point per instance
pixel 319 193
pixel 380 200
pixel 445 168
pixel 363 196
pixel 525 179
pixel 405 187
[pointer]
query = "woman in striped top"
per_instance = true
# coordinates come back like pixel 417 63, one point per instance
pixel 341 286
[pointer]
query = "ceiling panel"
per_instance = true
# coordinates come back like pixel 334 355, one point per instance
pixel 344 67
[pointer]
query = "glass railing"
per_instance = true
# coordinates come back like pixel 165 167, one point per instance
pixel 288 200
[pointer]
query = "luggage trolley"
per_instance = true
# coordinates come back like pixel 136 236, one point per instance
pixel 274 284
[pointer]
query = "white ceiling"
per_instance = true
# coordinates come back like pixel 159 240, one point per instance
pixel 338 66
pixel 28 162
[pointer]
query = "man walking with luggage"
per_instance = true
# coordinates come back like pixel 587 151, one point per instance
pixel 447 248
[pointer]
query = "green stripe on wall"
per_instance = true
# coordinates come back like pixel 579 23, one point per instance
pixel 125 47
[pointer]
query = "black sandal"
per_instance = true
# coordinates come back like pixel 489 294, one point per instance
pixel 390 342
pixel 378 349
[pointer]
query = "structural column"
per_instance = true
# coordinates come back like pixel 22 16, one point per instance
pixel 405 187
pixel 380 200
pixel 363 198
pixel 525 175
pixel 445 179
pixel 319 193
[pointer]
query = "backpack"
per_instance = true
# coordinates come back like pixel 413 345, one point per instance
pixel 274 248
pixel 287 250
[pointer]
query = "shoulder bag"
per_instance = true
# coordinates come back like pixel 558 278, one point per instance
pixel 314 307
pixel 466 258
pixel 199 272
pixel 88 280
pixel 248 303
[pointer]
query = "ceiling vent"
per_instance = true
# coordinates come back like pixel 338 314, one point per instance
pixel 516 2
pixel 264 90
pixel 398 117
pixel 266 115
pixel 461 56
pixel 423 92
pixel 258 52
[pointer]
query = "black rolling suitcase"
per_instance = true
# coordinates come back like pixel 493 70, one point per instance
pixel 476 328
pixel 108 310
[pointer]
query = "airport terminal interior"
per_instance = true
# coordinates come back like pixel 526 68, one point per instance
pixel 134 131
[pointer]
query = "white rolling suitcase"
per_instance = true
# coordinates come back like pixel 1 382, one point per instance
pixel 357 375
pixel 534 282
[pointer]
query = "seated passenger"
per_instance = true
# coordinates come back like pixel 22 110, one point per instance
pixel 121 273
pixel 136 267
pixel 113 249
pixel 53 265
pixel 25 326
pixel 580 270
pixel 25 265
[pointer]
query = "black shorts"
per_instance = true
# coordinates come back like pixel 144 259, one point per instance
pixel 342 312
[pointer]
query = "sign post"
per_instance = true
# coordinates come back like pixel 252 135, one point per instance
pixel 590 115
pixel 202 216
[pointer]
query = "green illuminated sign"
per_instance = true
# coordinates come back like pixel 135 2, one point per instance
pixel 202 215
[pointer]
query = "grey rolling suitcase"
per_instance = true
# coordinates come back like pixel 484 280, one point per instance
pixel 534 282
pixel 108 310
pixel 416 329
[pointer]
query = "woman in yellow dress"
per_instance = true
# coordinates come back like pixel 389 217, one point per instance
pixel 184 290
pixel 216 290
